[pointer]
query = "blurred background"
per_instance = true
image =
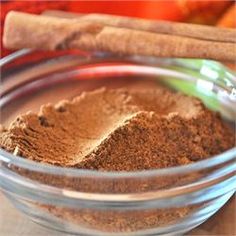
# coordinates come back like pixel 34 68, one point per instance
pixel 209 12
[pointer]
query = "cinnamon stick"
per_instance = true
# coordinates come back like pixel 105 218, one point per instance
pixel 204 32
pixel 23 30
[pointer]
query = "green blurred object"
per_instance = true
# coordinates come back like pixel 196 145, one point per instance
pixel 209 71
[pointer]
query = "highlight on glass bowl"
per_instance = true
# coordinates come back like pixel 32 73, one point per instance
pixel 97 144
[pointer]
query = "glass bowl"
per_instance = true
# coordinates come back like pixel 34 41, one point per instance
pixel 168 201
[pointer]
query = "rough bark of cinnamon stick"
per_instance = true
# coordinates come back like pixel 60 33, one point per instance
pixel 24 30
pixel 164 27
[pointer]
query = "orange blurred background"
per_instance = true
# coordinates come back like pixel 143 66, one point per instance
pixel 211 12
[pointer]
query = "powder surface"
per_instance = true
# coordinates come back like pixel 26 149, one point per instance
pixel 119 130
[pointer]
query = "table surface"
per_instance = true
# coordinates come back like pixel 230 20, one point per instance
pixel 13 223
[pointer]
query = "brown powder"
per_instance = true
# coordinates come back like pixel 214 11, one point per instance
pixel 117 130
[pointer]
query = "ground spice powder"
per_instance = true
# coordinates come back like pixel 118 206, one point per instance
pixel 118 130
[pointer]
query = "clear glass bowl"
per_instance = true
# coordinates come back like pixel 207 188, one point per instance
pixel 167 201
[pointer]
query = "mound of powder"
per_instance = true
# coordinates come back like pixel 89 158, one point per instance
pixel 119 130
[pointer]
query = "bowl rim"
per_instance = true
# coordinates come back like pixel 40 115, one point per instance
pixel 221 158
pixel 10 158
